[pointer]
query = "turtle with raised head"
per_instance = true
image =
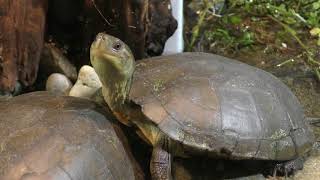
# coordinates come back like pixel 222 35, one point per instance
pixel 199 103
pixel 45 136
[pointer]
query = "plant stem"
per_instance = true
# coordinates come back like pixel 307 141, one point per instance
pixel 317 72
pixel 291 31
pixel 196 29
pixel 293 34
pixel 285 62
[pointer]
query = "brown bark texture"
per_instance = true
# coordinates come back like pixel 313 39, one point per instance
pixel 144 25
pixel 160 27
pixel 125 19
pixel 22 25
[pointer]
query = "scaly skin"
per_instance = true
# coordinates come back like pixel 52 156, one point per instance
pixel 114 63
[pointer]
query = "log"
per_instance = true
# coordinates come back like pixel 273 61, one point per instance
pixel 144 25
pixel 162 25
pixel 135 24
pixel 125 19
pixel 22 25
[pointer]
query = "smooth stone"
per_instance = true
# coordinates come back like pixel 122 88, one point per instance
pixel 87 83
pixel 58 84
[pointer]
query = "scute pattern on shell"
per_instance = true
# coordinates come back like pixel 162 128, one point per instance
pixel 220 106
pixel 54 137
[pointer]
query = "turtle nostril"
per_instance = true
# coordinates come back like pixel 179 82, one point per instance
pixel 99 37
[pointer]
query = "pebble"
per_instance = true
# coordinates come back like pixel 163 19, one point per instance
pixel 87 83
pixel 58 84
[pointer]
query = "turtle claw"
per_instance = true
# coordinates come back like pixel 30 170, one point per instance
pixel 160 163
pixel 288 168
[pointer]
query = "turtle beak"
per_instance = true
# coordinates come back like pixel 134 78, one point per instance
pixel 99 51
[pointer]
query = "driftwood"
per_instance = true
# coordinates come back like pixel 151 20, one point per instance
pixel 162 25
pixel 126 19
pixel 135 24
pixel 144 25
pixel 22 25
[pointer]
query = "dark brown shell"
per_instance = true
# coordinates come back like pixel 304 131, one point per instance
pixel 49 137
pixel 221 106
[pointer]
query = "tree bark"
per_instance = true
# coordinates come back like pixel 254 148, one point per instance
pixel 22 25
pixel 135 24
pixel 144 25
pixel 162 25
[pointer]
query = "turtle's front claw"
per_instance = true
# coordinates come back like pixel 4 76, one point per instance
pixel 289 167
pixel 160 164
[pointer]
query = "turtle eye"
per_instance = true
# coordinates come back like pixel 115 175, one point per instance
pixel 117 46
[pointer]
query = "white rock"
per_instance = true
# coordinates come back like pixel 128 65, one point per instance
pixel 87 83
pixel 58 84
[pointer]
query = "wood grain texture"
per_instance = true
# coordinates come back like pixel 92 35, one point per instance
pixel 144 25
pixel 22 25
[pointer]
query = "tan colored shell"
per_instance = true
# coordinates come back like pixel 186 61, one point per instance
pixel 221 106
pixel 50 137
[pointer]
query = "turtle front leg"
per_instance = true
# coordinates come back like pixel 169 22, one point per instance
pixel 160 164
pixel 289 167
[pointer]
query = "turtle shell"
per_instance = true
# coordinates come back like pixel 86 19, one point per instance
pixel 50 137
pixel 220 106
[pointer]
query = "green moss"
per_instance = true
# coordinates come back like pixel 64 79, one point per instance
pixel 279 134
pixel 247 25
pixel 112 141
pixel 158 85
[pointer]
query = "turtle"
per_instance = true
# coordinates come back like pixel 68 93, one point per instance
pixel 196 103
pixel 46 136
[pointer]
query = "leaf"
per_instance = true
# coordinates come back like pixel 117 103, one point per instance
pixel 290 20
pixel 316 5
pixel 235 20
pixel 247 39
pixel 317 72
pixel 222 32
pixel 315 31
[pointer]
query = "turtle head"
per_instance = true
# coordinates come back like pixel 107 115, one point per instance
pixel 111 52
pixel 114 63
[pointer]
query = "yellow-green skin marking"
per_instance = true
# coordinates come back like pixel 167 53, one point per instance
pixel 114 64
pixel 199 103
